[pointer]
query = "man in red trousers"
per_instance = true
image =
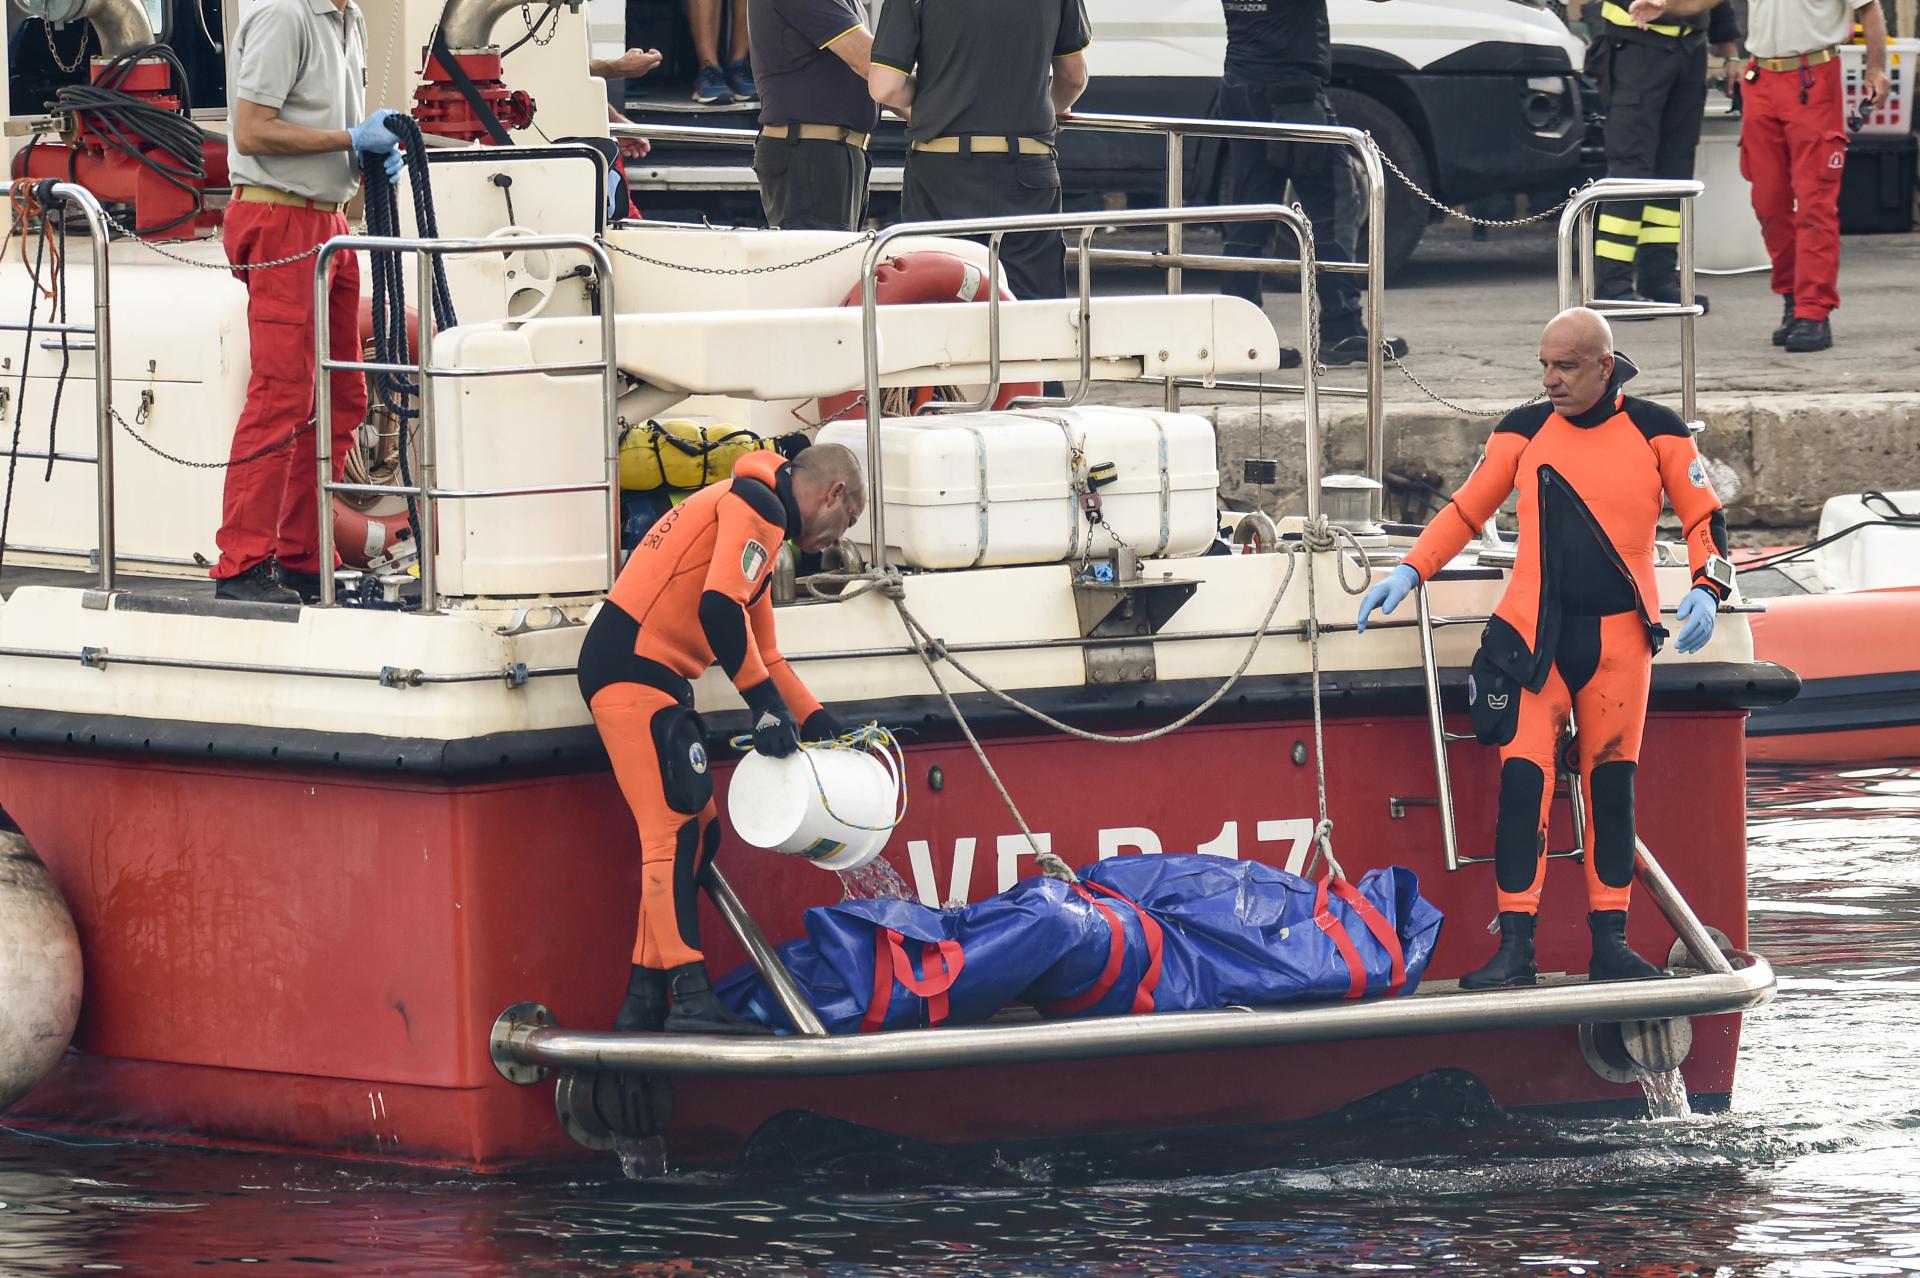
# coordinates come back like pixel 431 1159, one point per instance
pixel 1793 142
pixel 299 77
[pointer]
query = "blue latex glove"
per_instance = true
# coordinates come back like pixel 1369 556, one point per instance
pixel 615 207
pixel 1387 593
pixel 1696 615
pixel 372 133
pixel 392 163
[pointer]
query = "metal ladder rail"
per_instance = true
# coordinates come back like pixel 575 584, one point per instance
pixel 1576 232
pixel 101 332
pixel 427 373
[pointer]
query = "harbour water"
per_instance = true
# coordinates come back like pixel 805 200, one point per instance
pixel 1815 1171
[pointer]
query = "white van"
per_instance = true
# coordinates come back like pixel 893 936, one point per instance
pixel 1470 97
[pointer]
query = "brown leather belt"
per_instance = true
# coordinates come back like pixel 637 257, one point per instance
pixel 983 143
pixel 1797 61
pixel 815 133
pixel 267 195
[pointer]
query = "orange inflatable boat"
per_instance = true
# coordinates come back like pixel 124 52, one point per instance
pixel 1843 612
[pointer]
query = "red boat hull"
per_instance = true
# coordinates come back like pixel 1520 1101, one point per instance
pixel 310 959
pixel 1858 656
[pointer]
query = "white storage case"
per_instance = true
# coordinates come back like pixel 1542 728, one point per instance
pixel 968 490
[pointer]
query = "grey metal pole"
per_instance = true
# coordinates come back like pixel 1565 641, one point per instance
pixel 609 396
pixel 1309 364
pixel 89 208
pixel 1176 234
pixel 870 356
pixel 1437 731
pixel 1692 932
pixel 1689 407
pixel 429 584
pixel 322 412
pixel 1375 317
pixel 764 956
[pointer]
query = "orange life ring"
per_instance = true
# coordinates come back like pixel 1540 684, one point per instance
pixel 912 279
pixel 367 527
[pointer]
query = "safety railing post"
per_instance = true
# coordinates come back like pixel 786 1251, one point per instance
pixel 429 538
pixel 323 413
pixel 1437 730
pixel 89 207
pixel 870 360
pixel 1176 237
pixel 1375 307
pixel 610 406
pixel 1688 407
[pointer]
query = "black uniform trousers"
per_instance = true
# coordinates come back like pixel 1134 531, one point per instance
pixel 1655 95
pixel 811 184
pixel 942 185
pixel 1323 183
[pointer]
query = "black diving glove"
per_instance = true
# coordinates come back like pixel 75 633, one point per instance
pixel 822 726
pixel 775 734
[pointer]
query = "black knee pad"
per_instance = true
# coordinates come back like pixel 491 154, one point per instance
pixel 680 742
pixel 1612 833
pixel 686 883
pixel 1516 835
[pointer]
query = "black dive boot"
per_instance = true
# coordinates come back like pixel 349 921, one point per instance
pixel 1612 960
pixel 1513 962
pixel 698 1010
pixel 645 1007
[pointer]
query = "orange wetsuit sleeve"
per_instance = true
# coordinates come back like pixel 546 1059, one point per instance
pixel 1683 473
pixel 746 540
pixel 760 617
pixel 1471 506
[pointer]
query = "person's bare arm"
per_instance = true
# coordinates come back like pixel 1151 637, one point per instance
pixel 1873 24
pixel 854 46
pixel 891 88
pixel 1069 81
pixel 259 130
pixel 1646 12
pixel 630 65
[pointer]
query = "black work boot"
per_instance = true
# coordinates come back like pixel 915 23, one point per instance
pixel 1612 960
pixel 304 584
pixel 645 1007
pixel 1512 963
pixel 1786 320
pixel 698 1010
pixel 1809 335
pixel 258 584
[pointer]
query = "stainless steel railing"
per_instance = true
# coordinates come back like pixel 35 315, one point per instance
pixel 426 372
pixel 102 347
pixel 1576 264
pixel 995 229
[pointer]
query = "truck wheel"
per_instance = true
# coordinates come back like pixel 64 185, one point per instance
pixel 1407 213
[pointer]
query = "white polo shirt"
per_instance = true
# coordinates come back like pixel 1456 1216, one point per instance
pixel 308 60
pixel 1787 28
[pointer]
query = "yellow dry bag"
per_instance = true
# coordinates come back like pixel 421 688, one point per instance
pixel 682 454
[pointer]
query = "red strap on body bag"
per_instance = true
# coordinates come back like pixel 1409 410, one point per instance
pixel 1116 956
pixel 890 964
pixel 1350 953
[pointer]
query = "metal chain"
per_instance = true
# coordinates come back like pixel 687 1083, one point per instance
pixel 526 16
pixel 1495 222
pixel 249 458
pixel 862 238
pixel 79 55
pixel 1442 400
pixel 131 234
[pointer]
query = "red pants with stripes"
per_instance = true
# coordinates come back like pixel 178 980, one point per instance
pixel 1793 149
pixel 271 505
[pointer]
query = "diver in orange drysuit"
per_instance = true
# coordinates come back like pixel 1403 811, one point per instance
pixel 693 593
pixel 1579 623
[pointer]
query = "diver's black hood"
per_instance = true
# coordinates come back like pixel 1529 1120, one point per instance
pixel 1624 371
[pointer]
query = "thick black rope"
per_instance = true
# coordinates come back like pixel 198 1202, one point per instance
pixel 391 339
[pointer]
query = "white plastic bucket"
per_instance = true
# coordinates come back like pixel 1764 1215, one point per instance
pixel 833 805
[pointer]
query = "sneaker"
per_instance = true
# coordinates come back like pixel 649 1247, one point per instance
pixel 710 87
pixel 258 584
pixel 1352 349
pixel 1786 320
pixel 740 80
pixel 1808 335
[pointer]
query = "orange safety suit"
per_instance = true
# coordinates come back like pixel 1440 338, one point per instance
pixel 693 593
pixel 1579 622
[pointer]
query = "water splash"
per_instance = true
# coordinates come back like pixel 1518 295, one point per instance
pixel 1666 1094
pixel 874 881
